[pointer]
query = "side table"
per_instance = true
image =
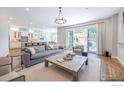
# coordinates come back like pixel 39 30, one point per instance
pixel 15 55
pixel 5 61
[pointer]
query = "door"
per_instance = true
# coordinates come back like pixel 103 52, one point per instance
pixel 70 39
pixel 80 38
pixel 92 40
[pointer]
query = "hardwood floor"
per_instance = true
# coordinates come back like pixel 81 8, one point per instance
pixel 111 69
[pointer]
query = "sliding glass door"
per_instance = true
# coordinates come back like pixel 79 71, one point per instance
pixel 70 39
pixel 80 38
pixel 92 39
pixel 83 36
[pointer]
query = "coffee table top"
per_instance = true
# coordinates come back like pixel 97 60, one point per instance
pixel 73 65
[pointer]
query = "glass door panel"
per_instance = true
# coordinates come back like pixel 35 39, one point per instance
pixel 92 40
pixel 70 39
pixel 80 38
pixel 85 37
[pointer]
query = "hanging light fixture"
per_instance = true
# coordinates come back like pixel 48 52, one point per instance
pixel 60 19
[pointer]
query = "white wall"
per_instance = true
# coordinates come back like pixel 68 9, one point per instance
pixel 114 34
pixel 108 35
pixel 4 37
pixel 120 50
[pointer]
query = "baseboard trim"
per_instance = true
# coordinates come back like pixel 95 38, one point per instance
pixel 120 61
pixel 116 57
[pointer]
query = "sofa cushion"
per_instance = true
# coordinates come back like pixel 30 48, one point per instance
pixel 39 55
pixel 39 49
pixel 46 53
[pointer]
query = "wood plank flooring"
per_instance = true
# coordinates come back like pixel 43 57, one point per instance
pixel 111 69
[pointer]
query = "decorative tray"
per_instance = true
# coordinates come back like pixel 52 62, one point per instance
pixel 67 58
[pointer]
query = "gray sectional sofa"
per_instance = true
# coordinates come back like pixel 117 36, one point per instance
pixel 29 59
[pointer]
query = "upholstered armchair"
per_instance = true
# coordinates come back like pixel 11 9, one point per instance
pixel 79 50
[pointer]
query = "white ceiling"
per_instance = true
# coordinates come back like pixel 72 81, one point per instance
pixel 45 16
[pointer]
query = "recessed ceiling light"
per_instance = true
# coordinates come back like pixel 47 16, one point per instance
pixel 8 21
pixel 10 18
pixel 27 9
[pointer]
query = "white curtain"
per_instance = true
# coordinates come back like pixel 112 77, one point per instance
pixel 100 38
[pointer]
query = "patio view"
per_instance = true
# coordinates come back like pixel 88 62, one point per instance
pixel 83 36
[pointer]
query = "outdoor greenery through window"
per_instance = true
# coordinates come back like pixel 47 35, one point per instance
pixel 84 36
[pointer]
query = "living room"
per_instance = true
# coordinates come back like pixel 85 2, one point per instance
pixel 30 39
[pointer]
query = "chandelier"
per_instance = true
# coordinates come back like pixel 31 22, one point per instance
pixel 60 19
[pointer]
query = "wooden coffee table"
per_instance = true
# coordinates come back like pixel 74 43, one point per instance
pixel 72 66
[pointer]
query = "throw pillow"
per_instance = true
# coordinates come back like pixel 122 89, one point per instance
pixel 39 48
pixel 27 50
pixel 32 50
pixel 52 46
